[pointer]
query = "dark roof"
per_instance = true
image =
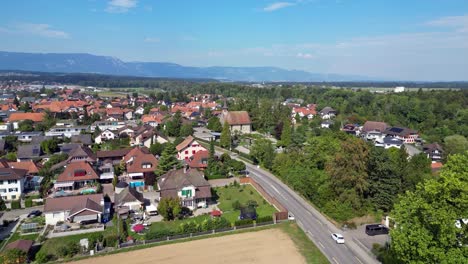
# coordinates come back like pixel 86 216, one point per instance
pixel 432 147
pixel 175 180
pixel 399 131
pixel 67 148
pixel 82 151
pixel 128 195
pixel 392 140
pixel 2 144
pixel 113 153
pixel 23 245
pixel 327 110
pixel 29 151
pixel 84 139
pixel 12 174
pixel 121 185
pixel 39 139
pixel 73 203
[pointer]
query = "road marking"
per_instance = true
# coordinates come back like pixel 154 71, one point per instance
pixel 320 243
pixel 358 260
pixel 309 213
pixel 274 188
pixel 336 261
pixel 318 221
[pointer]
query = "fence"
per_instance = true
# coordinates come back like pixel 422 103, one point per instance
pixel 265 195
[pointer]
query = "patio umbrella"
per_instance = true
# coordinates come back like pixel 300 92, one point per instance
pixel 138 228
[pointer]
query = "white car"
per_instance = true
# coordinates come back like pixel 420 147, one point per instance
pixel 339 239
pixel 291 217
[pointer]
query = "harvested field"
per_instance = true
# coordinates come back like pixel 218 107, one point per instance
pixel 267 246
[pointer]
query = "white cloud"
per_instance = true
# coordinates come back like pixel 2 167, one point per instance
pixel 305 55
pixel 278 5
pixel 42 30
pixel 152 39
pixel 120 6
pixel 460 23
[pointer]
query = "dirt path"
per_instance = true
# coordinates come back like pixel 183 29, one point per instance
pixel 262 247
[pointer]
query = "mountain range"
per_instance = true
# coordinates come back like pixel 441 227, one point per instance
pixel 88 63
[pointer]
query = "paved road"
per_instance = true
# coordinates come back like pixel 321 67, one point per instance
pixel 316 226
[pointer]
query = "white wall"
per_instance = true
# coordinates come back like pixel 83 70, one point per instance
pixel 7 195
pixel 53 217
pixel 191 150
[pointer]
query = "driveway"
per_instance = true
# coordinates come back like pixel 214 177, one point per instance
pixel 360 234
pixel 203 133
pixel 222 182
pixel 10 215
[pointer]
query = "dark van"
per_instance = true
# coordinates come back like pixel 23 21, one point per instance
pixel 376 229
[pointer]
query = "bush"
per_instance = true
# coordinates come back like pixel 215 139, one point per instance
pixel 28 202
pixel 111 240
pixel 214 223
pixel 158 234
pixel 42 257
pixel 236 205
pixel 15 204
pixel 350 225
pixel 251 203
pixel 189 227
pixel 264 219
pixel 243 222
pixel 68 249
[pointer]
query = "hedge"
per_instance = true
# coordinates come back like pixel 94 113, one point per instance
pixel 15 204
pixel 243 222
pixel 264 219
pixel 28 202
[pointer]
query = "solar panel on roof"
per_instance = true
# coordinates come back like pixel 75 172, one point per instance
pixel 396 129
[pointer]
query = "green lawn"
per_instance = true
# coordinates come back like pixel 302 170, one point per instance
pixel 306 247
pixel 227 196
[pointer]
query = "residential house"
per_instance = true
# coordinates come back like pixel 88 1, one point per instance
pixel 141 165
pixel 12 183
pixel 128 113
pixel 389 142
pixel 63 131
pixel 328 113
pixel 115 113
pixel 21 245
pixel 115 157
pixel 152 120
pixel 75 176
pixel 75 209
pixel 308 112
pixel 326 124
pixel 188 148
pixel 373 130
pixel 140 110
pixel 128 198
pixel 434 152
pixel 106 172
pixel 28 152
pixel 188 185
pixel 84 139
pixel 351 129
pixel 111 125
pixel 105 136
pixel 408 136
pixel 29 166
pixel 16 118
pixel 199 160
pixel 238 121
pixel 27 137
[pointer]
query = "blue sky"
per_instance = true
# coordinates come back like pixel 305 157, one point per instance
pixel 392 39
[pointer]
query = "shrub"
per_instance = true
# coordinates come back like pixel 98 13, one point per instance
pixel 236 205
pixel 111 240
pixel 28 202
pixel 158 234
pixel 214 223
pixel 264 219
pixel 42 257
pixel 189 227
pixel 251 203
pixel 243 222
pixel 15 204
pixel 350 225
pixel 68 249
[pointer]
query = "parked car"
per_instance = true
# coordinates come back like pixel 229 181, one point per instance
pixel 339 239
pixel 291 217
pixel 34 213
pixel 376 229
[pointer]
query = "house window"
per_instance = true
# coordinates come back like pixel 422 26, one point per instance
pixel 187 193
pixel 13 197
pixel 12 181
pixel 3 190
pixel 193 151
pixel 146 165
pixel 12 189
pixel 186 152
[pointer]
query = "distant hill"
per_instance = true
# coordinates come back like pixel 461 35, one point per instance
pixel 88 63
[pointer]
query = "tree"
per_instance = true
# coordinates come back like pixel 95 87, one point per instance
pixel 11 156
pixel 286 134
pixel 455 144
pixel 186 130
pixel 50 146
pixel 263 152
pixel 168 160
pixel 169 208
pixel 26 126
pixel 425 218
pixel 214 124
pixel 348 172
pixel 14 256
pixel 418 169
pixel 225 139
pixel 157 148
pixel 25 107
pixel 2 205
pixel 173 126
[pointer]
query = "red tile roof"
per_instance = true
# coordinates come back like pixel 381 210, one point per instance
pixel 30 166
pixel 196 161
pixel 374 126
pixel 185 143
pixel 78 171
pixel 36 117
pixel 436 165
pixel 137 157
pixel 23 245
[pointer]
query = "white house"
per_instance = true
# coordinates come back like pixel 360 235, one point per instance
pixel 140 110
pixel 74 209
pixel 188 148
pixel 105 135
pixel 12 183
pixel 62 131
pixel 390 142
pixel 111 125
